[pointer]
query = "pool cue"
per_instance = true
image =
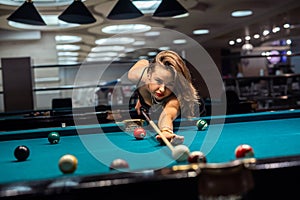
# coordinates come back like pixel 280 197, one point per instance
pixel 154 126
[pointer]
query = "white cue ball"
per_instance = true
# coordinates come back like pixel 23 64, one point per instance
pixel 68 163
pixel 181 153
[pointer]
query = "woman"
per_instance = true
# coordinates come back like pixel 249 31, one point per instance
pixel 166 82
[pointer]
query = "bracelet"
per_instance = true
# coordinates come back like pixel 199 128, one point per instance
pixel 167 129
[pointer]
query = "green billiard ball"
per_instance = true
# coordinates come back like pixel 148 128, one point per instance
pixel 201 124
pixel 53 137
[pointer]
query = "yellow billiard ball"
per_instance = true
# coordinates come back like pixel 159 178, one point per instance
pixel 68 163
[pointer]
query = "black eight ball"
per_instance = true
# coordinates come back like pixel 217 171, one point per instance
pixel 21 152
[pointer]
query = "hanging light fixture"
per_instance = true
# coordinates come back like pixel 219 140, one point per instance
pixel 169 8
pixel 27 14
pixel 77 13
pixel 124 9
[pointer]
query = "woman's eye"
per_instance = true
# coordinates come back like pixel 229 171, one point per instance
pixel 159 81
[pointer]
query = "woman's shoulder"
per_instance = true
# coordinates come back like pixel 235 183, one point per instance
pixel 136 71
pixel 172 101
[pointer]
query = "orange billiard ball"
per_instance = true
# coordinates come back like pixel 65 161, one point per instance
pixel 244 151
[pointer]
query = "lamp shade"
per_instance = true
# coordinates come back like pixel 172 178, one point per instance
pixel 169 8
pixel 124 9
pixel 77 13
pixel 27 14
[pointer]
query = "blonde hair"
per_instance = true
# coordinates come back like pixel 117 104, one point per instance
pixel 183 89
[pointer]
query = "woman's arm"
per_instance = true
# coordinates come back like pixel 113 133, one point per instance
pixel 135 72
pixel 168 115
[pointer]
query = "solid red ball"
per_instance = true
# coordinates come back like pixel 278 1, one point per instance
pixel 139 133
pixel 244 151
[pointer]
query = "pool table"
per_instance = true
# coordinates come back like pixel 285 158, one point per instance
pixel 273 171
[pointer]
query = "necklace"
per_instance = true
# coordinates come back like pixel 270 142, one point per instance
pixel 156 105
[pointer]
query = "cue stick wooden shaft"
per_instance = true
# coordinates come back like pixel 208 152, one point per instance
pixel 155 127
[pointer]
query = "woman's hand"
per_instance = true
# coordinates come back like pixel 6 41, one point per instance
pixel 169 135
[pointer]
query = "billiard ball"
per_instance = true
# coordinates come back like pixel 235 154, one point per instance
pixel 180 153
pixel 244 151
pixel 68 164
pixel 53 137
pixel 197 157
pixel 21 152
pixel 118 164
pixel 201 124
pixel 139 133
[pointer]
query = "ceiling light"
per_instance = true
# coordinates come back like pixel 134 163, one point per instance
pixel 139 43
pixel 152 53
pixel 129 50
pixel 67 38
pixel 179 41
pixel 241 13
pixel 103 54
pixel 181 16
pixel 126 28
pixel 77 13
pixel 112 41
pixel 200 31
pixel 169 8
pixel 256 36
pixel 276 29
pixel 52 21
pixel 67 58
pixel 266 32
pixel 101 59
pixel 124 9
pixel 238 40
pixel 247 47
pixel 148 6
pixel 107 48
pixel 67 47
pixel 163 48
pixel 67 62
pixel 27 14
pixel 248 37
pixel 152 33
pixel 67 53
pixel 286 25
pixel 231 42
pixel 38 3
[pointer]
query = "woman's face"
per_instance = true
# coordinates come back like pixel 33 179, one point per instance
pixel 161 83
